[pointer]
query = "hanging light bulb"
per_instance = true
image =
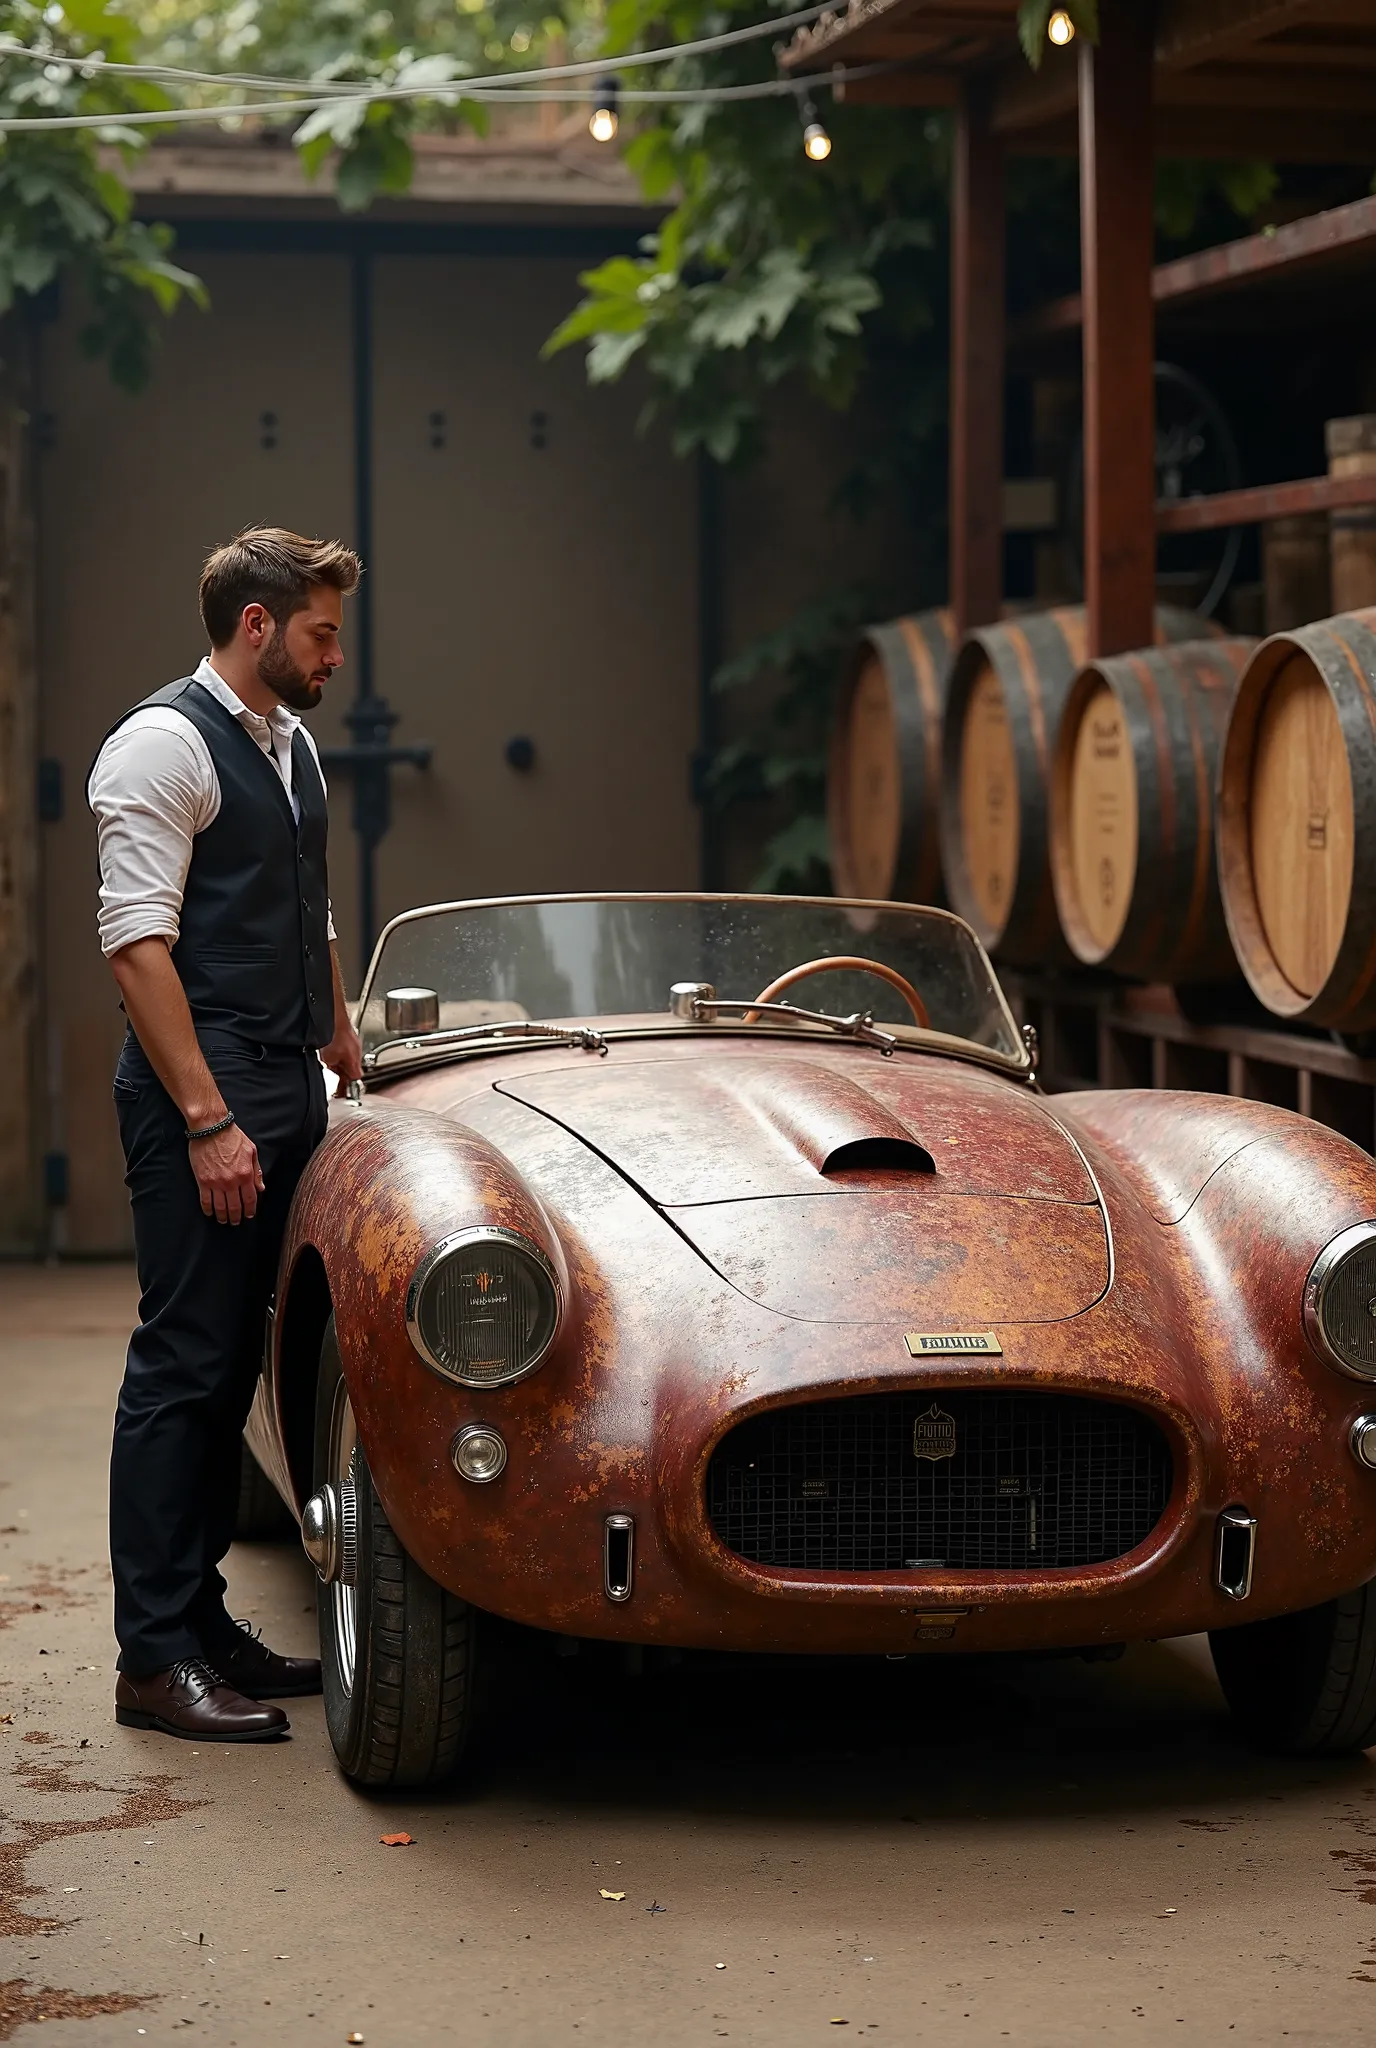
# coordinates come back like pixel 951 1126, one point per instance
pixel 1060 30
pixel 816 141
pixel 602 124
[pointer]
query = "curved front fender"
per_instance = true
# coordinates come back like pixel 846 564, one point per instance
pixel 385 1186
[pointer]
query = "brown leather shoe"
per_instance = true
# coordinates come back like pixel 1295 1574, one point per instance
pixel 191 1700
pixel 246 1661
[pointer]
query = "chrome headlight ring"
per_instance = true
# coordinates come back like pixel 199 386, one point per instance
pixel 441 1263
pixel 1340 1302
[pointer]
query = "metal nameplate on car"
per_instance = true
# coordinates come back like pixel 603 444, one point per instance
pixel 953 1344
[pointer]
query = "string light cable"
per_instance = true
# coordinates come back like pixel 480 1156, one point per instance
pixel 650 95
pixel 493 85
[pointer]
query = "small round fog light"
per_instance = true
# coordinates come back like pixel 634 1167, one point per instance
pixel 1364 1441
pixel 478 1453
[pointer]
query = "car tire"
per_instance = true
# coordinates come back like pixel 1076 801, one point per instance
pixel 262 1516
pixel 396 1649
pixel 1305 1684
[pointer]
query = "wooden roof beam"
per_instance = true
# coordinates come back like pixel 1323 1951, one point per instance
pixel 905 88
pixel 1298 248
pixel 971 35
pixel 1293 90
pixel 1190 32
pixel 1116 234
pixel 978 248
pixel 1312 56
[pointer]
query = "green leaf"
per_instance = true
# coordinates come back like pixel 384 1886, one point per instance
pixel 651 158
pixel 315 151
pixel 609 355
pixel 114 195
pixel 357 180
pixel 730 316
pixel 31 268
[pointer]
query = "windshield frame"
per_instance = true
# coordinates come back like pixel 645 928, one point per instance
pixel 913 1039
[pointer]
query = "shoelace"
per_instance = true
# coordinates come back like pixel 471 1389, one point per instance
pixel 194 1671
pixel 249 1643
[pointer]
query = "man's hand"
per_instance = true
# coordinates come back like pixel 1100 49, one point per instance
pixel 226 1166
pixel 227 1174
pixel 344 1053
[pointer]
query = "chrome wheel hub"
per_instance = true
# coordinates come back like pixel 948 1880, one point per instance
pixel 329 1535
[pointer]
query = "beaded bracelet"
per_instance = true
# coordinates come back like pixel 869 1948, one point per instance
pixel 212 1130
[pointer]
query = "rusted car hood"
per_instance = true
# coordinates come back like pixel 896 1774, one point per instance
pixel 913 1193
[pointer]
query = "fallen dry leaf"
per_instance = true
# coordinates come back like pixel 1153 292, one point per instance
pixel 397 1841
pixel 613 1895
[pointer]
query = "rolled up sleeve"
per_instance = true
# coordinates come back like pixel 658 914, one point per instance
pixel 149 793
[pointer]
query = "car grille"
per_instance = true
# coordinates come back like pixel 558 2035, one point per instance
pixel 1010 1482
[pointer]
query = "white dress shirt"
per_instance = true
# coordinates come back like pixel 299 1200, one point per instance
pixel 153 788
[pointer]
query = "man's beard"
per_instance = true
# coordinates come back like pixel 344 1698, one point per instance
pixel 282 676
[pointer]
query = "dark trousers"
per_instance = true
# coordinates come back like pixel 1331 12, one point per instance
pixel 194 1359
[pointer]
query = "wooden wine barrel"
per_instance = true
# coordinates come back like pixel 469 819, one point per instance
pixel 1297 822
pixel 1132 811
pixel 1008 687
pixel 884 776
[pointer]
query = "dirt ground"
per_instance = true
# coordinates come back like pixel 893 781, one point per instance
pixel 1038 1853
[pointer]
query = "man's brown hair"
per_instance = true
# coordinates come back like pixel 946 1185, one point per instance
pixel 266 565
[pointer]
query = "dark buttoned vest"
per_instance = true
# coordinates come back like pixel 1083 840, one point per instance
pixel 253 950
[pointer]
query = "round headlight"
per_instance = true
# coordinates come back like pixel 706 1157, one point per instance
pixel 1340 1301
pixel 483 1307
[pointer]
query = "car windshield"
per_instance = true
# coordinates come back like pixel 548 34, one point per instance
pixel 614 960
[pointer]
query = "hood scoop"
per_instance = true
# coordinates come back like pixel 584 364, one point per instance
pixel 878 1155
pixel 942 1198
pixel 727 1130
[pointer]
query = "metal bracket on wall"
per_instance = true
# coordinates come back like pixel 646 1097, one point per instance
pixel 370 759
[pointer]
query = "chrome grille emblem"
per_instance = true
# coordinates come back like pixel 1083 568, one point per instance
pixel 934 1434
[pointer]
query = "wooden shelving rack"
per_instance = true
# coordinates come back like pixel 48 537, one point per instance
pixel 1094 1035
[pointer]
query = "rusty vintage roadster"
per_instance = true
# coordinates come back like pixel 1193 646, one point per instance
pixel 709 1271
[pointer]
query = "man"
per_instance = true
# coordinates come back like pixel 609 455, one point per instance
pixel 214 916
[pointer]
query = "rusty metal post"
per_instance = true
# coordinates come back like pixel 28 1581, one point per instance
pixel 977 339
pixel 1116 249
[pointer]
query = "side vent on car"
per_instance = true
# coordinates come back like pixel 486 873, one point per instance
pixel 1236 1548
pixel 618 1556
pixel 887 1155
